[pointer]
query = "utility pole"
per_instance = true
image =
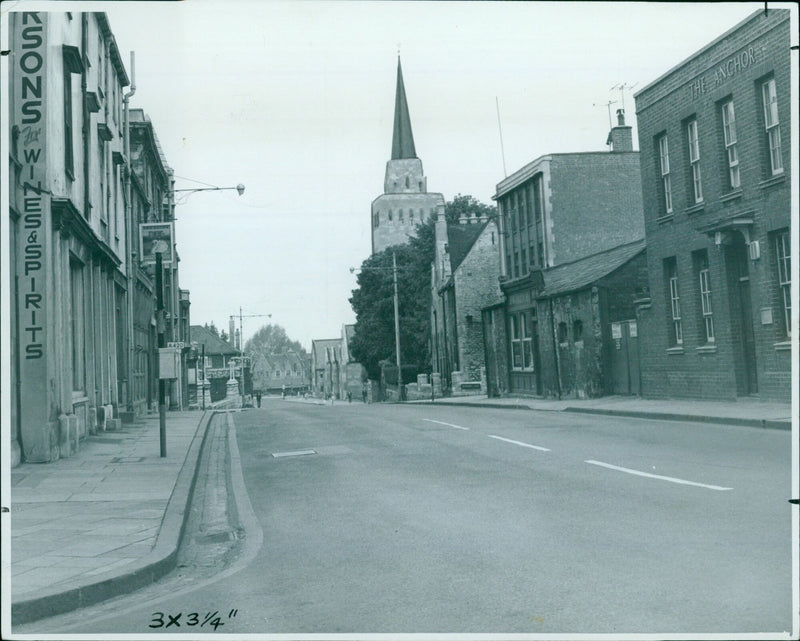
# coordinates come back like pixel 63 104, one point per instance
pixel 397 328
pixel 162 394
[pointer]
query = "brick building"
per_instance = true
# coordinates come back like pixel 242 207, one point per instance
pixel 464 279
pixel 558 209
pixel 715 155
pixel 405 201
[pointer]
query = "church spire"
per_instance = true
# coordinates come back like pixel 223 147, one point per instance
pixel 402 138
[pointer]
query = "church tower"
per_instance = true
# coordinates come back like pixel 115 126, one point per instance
pixel 405 201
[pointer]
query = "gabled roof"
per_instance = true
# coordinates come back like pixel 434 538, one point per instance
pixel 320 346
pixel 402 137
pixel 214 344
pixel 460 239
pixel 581 273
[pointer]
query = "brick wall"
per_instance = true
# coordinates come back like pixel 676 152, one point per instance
pixel 732 67
pixel 596 202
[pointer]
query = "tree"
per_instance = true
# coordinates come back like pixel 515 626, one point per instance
pixel 212 328
pixel 272 339
pixel 373 300
pixel 468 206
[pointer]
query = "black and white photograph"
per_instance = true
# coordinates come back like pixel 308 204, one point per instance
pixel 373 320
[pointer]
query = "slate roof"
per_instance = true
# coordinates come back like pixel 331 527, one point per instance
pixel 214 344
pixel 581 273
pixel 460 239
pixel 320 346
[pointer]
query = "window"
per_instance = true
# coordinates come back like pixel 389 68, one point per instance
pixel 390 214
pixel 701 262
pixel 666 184
pixel 400 215
pixel 729 134
pixel 772 125
pixel 78 324
pixel 676 328
pixel 521 341
pixel 516 342
pixel 785 277
pixel 377 219
pixel 577 330
pixel 562 332
pixel 527 336
pixel 694 160
pixel 68 155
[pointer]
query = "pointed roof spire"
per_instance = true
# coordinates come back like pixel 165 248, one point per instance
pixel 402 138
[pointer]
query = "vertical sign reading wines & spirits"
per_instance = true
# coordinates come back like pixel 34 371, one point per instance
pixel 29 73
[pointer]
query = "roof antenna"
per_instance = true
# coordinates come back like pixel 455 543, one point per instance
pixel 622 86
pixel 500 129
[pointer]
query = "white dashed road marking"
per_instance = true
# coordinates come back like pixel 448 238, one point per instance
pixel 297 453
pixel 458 427
pixel 656 476
pixel 508 440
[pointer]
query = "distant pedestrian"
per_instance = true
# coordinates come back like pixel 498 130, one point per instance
pixel 283 391
pixel 349 396
pixel 363 393
pixel 258 398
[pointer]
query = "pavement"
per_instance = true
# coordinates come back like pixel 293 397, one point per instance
pixel 744 412
pixel 109 519
pixel 105 521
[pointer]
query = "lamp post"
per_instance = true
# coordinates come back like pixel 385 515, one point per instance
pixel 239 188
pixel 396 321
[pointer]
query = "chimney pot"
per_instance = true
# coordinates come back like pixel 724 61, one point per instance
pixel 621 117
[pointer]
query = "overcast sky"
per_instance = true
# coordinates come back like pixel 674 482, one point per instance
pixel 296 99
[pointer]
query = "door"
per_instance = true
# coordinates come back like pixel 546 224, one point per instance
pixel 747 340
pixel 624 358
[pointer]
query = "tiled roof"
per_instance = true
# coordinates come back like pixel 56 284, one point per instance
pixel 214 344
pixel 582 273
pixel 460 239
pixel 320 345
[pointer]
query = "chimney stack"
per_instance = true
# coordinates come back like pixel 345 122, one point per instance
pixel 621 137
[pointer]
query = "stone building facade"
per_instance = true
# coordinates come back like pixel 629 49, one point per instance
pixel 558 209
pixel 326 360
pixel 714 134
pixel 82 348
pixel 464 279
pixel 405 201
pixel 278 373
pixel 67 231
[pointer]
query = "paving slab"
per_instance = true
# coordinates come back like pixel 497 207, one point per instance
pixel 104 521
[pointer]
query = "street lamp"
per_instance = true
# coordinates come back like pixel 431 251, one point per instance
pixel 396 321
pixel 239 188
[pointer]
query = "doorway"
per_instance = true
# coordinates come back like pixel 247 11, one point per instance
pixel 737 265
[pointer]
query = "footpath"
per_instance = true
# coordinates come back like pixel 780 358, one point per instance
pixel 109 519
pixel 105 521
pixel 743 412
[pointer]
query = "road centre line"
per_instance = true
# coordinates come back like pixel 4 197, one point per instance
pixel 657 476
pixel 508 440
pixel 458 427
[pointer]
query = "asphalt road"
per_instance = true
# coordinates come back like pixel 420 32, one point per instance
pixel 392 519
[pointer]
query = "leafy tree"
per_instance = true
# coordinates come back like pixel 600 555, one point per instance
pixel 272 339
pixel 224 335
pixel 468 206
pixel 373 300
pixel 212 328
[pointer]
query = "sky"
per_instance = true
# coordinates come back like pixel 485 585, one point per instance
pixel 295 100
